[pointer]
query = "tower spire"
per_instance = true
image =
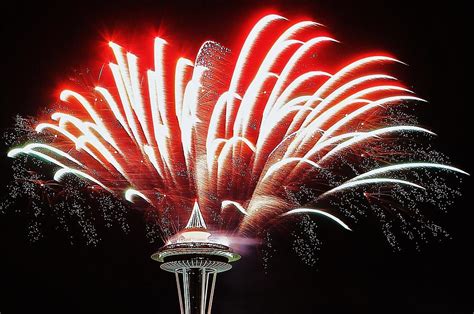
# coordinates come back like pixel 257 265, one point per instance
pixel 196 221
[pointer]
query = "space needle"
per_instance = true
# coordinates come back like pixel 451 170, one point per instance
pixel 195 259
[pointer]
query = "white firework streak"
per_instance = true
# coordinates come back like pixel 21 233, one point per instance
pixel 31 149
pixel 131 193
pixel 61 172
pixel 352 184
pixel 227 203
pixel 412 165
pixel 318 212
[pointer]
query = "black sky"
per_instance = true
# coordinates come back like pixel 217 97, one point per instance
pixel 357 273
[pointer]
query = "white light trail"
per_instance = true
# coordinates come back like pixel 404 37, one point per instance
pixel 130 194
pixel 226 203
pixel 280 164
pixel 352 184
pixel 414 165
pixel 373 134
pixel 318 212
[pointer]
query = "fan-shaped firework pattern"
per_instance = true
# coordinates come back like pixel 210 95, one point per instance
pixel 241 137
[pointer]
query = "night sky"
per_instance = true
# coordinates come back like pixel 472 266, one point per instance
pixel 357 272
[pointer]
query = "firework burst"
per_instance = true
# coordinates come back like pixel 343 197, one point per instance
pixel 253 137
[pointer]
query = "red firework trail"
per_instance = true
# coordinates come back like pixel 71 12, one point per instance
pixel 237 136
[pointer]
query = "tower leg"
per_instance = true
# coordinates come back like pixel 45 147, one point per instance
pixel 195 290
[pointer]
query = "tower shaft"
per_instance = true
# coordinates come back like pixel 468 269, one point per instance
pixel 196 272
pixel 195 290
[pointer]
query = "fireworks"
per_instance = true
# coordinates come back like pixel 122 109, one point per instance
pixel 252 137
